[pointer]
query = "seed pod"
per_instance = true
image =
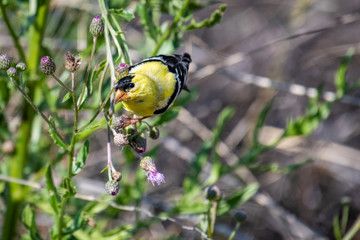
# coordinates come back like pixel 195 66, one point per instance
pixel 96 26
pixel 154 133
pixel 121 140
pixel 117 123
pixel 5 62
pixel 47 65
pixel 116 176
pixel 138 143
pixel 213 193
pixel 72 63
pixel 240 216
pixel 112 187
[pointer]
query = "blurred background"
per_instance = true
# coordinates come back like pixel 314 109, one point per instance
pixel 261 50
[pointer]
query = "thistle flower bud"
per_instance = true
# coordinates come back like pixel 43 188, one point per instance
pixel 130 130
pixel 117 123
pixel 72 63
pixel 12 72
pixel 112 187
pixel 116 176
pixel 154 133
pixel 47 65
pixel 96 26
pixel 122 70
pixel 120 140
pixel 138 143
pixel 240 216
pixel 21 66
pixel 151 172
pixel 213 193
pixel 5 62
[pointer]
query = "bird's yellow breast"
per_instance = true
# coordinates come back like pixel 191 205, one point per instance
pixel 154 85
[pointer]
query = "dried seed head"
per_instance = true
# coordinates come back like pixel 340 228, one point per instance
pixel 117 123
pixel 116 176
pixel 240 216
pixel 112 187
pixel 138 143
pixel 12 72
pixel 72 63
pixel 122 70
pixel 120 140
pixel 154 133
pixel 21 66
pixel 213 193
pixel 47 65
pixel 96 26
pixel 5 62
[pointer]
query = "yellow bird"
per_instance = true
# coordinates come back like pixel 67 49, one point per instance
pixel 153 84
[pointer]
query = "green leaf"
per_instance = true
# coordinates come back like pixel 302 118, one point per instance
pixel 66 97
pixel 145 14
pixel 83 99
pixel 238 198
pixel 214 19
pixel 106 168
pixel 340 75
pixel 79 163
pixel 168 116
pixel 122 13
pixel 336 226
pixel 55 137
pixel 223 118
pixel 260 122
pixel 51 189
pixel 95 74
pixel 28 218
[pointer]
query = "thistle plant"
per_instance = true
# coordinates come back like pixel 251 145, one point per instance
pixel 87 94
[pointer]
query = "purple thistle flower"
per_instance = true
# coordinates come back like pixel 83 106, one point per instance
pixel 151 172
pixel 155 176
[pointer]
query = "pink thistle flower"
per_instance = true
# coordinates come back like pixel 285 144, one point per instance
pixel 151 172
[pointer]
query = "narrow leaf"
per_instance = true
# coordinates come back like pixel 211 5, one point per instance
pixel 53 195
pixel 28 218
pixel 81 158
pixel 83 99
pixel 260 122
pixel 66 97
pixel 122 13
pixel 55 137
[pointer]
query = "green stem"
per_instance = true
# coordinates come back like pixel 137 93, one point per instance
pixel 14 37
pixel 88 70
pixel 97 111
pixel 36 33
pixel 62 84
pixel 28 99
pixel 172 27
pixel 71 156
pixel 211 218
pixel 344 218
pixel 232 235
pixel 353 230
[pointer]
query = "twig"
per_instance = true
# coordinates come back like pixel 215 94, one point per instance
pixel 91 198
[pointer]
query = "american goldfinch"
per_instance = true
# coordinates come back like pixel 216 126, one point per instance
pixel 153 84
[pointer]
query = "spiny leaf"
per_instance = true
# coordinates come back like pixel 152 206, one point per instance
pixel 81 158
pixel 55 137
pixel 53 195
pixel 122 13
pixel 214 19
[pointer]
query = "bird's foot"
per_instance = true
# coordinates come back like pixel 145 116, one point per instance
pixel 131 121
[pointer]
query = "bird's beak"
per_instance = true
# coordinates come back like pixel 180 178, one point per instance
pixel 120 96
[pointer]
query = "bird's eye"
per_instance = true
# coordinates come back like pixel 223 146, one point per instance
pixel 131 85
